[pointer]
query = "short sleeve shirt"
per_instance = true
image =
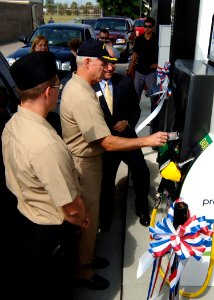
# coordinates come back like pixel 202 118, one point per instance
pixel 39 168
pixel 148 53
pixel 82 118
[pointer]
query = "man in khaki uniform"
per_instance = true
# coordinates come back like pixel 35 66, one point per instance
pixel 40 172
pixel 87 135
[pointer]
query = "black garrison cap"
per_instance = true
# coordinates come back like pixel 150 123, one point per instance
pixel 33 69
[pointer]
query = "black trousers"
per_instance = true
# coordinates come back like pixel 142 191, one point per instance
pixel 141 182
pixel 41 260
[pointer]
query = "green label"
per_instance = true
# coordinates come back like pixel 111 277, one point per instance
pixel 205 142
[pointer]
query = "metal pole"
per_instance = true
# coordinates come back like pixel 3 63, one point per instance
pixel 140 8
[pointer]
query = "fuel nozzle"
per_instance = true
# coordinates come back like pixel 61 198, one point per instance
pixel 180 214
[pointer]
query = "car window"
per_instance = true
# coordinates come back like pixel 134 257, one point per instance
pixel 58 37
pixel 111 24
pixel 139 23
pixel 89 22
pixel 7 82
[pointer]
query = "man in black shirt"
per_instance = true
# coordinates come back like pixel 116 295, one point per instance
pixel 144 59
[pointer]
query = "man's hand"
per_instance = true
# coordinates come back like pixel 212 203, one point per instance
pixel 131 70
pixel 131 73
pixel 75 213
pixel 121 125
pixel 116 143
pixel 86 224
pixel 157 139
pixel 154 66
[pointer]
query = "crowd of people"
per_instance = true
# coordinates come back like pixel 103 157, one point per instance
pixel 62 171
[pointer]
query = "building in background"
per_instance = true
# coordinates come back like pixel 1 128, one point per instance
pixel 19 17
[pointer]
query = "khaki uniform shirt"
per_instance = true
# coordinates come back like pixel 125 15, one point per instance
pixel 82 118
pixel 39 168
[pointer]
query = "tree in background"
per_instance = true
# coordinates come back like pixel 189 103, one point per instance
pixel 89 4
pixel 50 5
pixel 74 8
pixel 129 8
pixel 62 8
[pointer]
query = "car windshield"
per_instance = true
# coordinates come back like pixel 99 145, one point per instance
pixel 139 23
pixel 58 36
pixel 118 25
pixel 89 22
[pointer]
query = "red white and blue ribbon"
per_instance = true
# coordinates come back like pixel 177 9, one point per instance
pixel 163 93
pixel 188 240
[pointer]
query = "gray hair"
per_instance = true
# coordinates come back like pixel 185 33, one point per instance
pixel 80 59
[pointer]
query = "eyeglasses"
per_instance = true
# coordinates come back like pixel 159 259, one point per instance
pixel 148 26
pixel 59 87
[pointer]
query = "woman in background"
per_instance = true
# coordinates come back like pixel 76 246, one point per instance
pixel 40 43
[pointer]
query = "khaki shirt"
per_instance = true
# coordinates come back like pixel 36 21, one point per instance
pixel 39 168
pixel 82 118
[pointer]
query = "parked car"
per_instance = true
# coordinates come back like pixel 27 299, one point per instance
pixel 58 35
pixel 86 21
pixel 91 22
pixel 7 82
pixel 139 26
pixel 121 33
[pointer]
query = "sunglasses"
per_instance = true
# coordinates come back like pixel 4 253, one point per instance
pixel 148 26
pixel 106 40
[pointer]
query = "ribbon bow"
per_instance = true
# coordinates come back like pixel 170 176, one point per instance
pixel 189 239
pixel 186 241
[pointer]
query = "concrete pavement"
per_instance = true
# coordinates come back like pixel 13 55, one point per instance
pixel 8 48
